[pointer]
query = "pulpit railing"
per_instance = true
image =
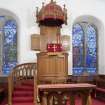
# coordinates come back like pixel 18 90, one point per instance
pixel 64 94
pixel 18 74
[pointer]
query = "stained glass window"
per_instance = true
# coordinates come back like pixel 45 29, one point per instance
pixel 9 44
pixel 91 56
pixel 84 49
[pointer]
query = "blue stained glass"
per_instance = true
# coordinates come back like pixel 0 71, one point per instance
pixel 77 56
pixel 10 24
pixel 91 49
pixel 9 46
pixel 77 35
pixel 77 70
pixel 77 41
pixel 84 49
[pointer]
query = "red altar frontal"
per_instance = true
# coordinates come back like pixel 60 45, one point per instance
pixel 58 94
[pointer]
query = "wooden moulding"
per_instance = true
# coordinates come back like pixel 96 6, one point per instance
pixel 60 54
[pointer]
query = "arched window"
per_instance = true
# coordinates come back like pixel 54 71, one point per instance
pixel 8 43
pixel 84 41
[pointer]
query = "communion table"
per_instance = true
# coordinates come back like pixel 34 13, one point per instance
pixel 60 94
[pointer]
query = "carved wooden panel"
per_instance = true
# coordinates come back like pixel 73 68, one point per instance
pixel 52 68
pixel 38 42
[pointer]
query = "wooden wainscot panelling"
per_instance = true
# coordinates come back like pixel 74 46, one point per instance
pixel 52 68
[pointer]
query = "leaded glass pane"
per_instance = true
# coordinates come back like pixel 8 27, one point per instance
pixel 77 49
pixel 9 46
pixel 84 49
pixel 0 51
pixel 91 50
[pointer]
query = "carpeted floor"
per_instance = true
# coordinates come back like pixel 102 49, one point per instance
pixel 94 102
pixel 78 102
pixel 23 95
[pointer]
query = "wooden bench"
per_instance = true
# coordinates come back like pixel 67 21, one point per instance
pixel 1 89
pixel 1 93
pixel 100 89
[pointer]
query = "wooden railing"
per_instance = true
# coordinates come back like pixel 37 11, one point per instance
pixel 64 94
pixel 21 72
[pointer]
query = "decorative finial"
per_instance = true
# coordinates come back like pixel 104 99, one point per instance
pixel 42 4
pixel 37 14
pixel 65 13
pixel 51 1
pixel 36 11
pixel 64 6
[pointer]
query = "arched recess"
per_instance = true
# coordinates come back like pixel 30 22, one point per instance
pixel 8 41
pixel 86 47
